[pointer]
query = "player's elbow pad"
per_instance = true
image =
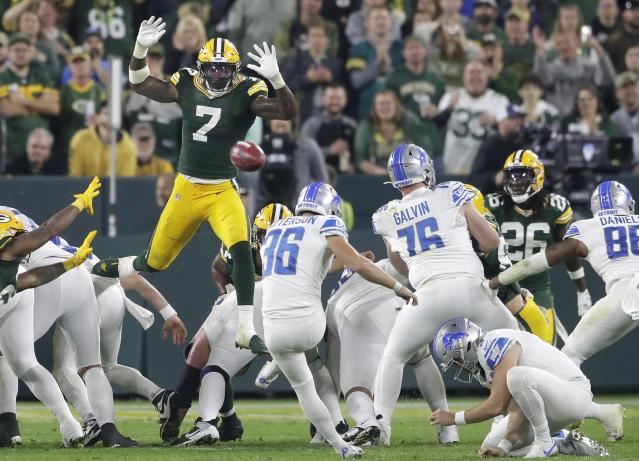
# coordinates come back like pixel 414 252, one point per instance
pixel 138 76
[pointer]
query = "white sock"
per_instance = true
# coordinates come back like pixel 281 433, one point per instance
pixel 100 395
pixel 245 317
pixel 125 266
pixel 228 413
pixel 131 380
pixel 523 388
pixel 326 390
pixel 360 407
pixel 211 395
pixel 74 390
pixel 8 387
pixel 44 387
pixel 388 384
pixel 430 383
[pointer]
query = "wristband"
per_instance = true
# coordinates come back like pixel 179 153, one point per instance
pixel 140 75
pixel 505 445
pixel 460 419
pixel 397 287
pixel 167 312
pixel 578 274
pixel 277 81
pixel 140 51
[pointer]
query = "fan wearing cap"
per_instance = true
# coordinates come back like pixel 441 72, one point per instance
pixel 503 79
pixel 219 104
pixel 484 16
pixel 149 164
pixel 627 35
pixel 519 50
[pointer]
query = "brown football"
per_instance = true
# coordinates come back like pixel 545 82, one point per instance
pixel 247 156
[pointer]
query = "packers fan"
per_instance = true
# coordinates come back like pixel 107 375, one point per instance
pixel 532 218
pixel 219 105
pixel 519 302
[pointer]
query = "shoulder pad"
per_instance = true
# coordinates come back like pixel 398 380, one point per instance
pixel 494 200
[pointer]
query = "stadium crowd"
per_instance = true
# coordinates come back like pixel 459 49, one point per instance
pixel 466 79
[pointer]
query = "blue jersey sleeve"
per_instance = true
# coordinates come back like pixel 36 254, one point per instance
pixel 573 231
pixel 495 350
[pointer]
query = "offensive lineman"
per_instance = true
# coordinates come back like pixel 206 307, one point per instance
pixel 296 255
pixel 219 105
pixel 427 234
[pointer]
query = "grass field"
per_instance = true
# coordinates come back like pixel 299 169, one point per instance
pixel 277 430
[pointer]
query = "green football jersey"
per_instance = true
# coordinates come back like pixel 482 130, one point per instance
pixel 227 259
pixel 527 232
pixel 212 124
pixel 76 104
pixel 8 269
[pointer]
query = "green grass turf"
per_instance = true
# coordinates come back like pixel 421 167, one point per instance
pixel 277 430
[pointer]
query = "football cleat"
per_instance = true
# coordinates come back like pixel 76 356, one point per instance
pixel 350 452
pixel 540 449
pixel 362 435
pixel 447 435
pixel 9 430
pixel 384 432
pixel 166 404
pixel 72 435
pixel 202 433
pixel 576 444
pixel 231 428
pixel 269 373
pixel 613 422
pixel 91 430
pixel 111 437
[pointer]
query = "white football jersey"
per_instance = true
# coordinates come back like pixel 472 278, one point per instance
pixel 464 131
pixel 613 244
pixel 535 353
pixel 295 260
pixel 428 232
pixel 354 291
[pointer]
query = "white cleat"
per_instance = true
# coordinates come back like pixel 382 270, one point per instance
pixel 447 435
pixel 350 452
pixel 542 449
pixel 269 373
pixel 72 434
pixel 384 433
pixel 202 433
pixel 613 422
pixel 575 444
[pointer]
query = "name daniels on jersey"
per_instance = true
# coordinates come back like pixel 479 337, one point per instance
pixel 413 212
pixel 296 220
pixel 623 219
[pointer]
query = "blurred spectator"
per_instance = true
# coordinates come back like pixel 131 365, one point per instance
pixel 308 72
pixel 387 126
pixel 356 28
pixel 37 158
pixel 503 79
pixel 486 173
pixel 79 99
pixel 484 21
pixel 589 117
pixel 373 58
pixel 563 76
pixel 519 50
pixel 166 119
pixel 4 50
pixel 419 90
pixel 27 96
pixel 149 164
pixel 94 44
pixel 469 114
pixel 290 165
pixel 163 188
pixel 626 118
pixel 292 35
pixel 451 12
pixel 607 21
pixel 535 108
pixel 188 38
pixel 253 22
pixel 424 18
pixel 57 39
pixel 90 150
pixel 569 20
pixel 632 59
pixel 626 36
pixel 29 26
pixel 333 131
pixel 450 52
pixel 113 19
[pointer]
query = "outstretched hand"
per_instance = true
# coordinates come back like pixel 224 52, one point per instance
pixel 84 201
pixel 176 326
pixel 83 252
pixel 266 60
pixel 151 31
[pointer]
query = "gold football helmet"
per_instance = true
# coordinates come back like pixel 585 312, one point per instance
pixel 271 213
pixel 478 199
pixel 10 226
pixel 523 175
pixel 218 63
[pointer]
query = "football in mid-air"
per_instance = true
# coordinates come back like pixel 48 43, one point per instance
pixel 247 156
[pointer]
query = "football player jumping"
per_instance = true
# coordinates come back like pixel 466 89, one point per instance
pixel 219 105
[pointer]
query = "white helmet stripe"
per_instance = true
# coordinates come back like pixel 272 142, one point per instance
pixel 219 46
pixel 277 213
pixel 518 156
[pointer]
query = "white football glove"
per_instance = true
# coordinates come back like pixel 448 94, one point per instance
pixel 151 31
pixel 7 293
pixel 584 303
pixel 267 65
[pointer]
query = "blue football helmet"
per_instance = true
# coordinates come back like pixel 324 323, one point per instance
pixel 611 195
pixel 456 344
pixel 320 198
pixel 410 164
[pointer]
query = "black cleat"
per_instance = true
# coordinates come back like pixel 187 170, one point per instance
pixel 362 435
pixel 9 430
pixel 342 428
pixel 231 428
pixel 166 402
pixel 111 438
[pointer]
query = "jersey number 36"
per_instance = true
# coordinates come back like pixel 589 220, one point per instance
pixel 280 254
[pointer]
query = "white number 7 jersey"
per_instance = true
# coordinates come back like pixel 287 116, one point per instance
pixel 428 232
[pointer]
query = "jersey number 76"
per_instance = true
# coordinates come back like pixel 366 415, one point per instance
pixel 419 229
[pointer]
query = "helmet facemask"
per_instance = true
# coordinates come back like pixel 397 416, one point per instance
pixel 218 76
pixel 519 183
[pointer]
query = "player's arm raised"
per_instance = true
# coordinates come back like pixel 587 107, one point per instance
pixel 140 76
pixel 282 107
pixel 366 268
pixel 539 262
pixel 25 243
